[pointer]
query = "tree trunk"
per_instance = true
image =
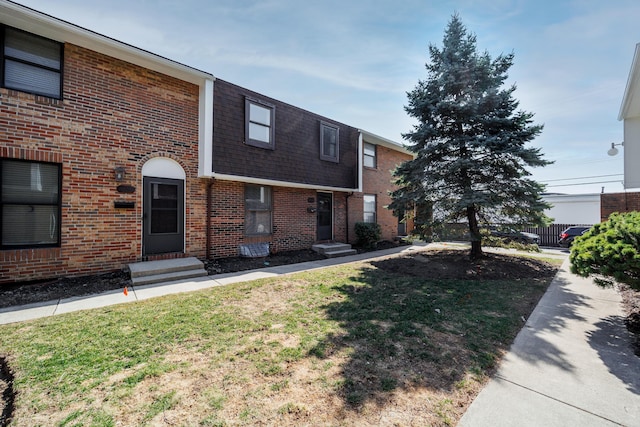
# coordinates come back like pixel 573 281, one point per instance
pixel 474 231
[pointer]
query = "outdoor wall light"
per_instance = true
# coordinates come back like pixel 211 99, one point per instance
pixel 119 173
pixel 613 150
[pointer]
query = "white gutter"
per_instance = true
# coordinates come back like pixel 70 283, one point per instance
pixel 276 183
pixel 205 130
pixel 631 90
pixel 379 140
pixel 44 25
pixel 360 161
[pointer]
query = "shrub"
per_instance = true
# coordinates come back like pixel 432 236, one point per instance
pixel 610 251
pixel 501 242
pixel 368 234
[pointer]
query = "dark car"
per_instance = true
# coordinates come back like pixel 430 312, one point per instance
pixel 517 236
pixel 567 236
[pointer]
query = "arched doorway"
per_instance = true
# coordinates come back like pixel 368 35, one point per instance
pixel 163 201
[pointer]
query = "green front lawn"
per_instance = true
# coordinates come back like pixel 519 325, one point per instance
pixel 337 346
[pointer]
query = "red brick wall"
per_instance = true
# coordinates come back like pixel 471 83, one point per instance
pixel 618 202
pixel 378 181
pixel 112 114
pixel 294 227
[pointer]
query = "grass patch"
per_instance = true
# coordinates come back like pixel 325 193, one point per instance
pixel 331 346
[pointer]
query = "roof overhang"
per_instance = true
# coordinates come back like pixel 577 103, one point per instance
pixel 378 140
pixel 631 101
pixel 44 25
pixel 276 183
pixel 35 22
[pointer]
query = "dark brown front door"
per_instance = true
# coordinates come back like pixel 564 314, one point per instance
pixel 325 216
pixel 402 225
pixel 163 217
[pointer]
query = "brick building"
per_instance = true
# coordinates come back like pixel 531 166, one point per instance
pixel 618 202
pixel 75 107
pixel 109 155
pixel 380 157
pixel 300 169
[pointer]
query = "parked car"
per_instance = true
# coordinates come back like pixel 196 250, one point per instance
pixel 517 236
pixel 567 236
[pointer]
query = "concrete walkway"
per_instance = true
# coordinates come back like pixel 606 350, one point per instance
pixel 571 365
pixel 139 293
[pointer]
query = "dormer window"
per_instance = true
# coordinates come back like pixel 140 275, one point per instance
pixel 259 124
pixel 329 142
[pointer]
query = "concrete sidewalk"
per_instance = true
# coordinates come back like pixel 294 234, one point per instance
pixel 571 365
pixel 139 293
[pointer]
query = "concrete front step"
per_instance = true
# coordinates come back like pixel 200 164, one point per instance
pixel 167 277
pixel 335 254
pixel 144 273
pixel 333 250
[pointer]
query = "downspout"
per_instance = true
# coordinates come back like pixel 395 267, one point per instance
pixel 359 172
pixel 208 234
pixel 346 203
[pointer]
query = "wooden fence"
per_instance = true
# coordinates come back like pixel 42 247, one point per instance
pixel 549 235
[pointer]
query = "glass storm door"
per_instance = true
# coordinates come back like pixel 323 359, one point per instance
pixel 325 216
pixel 163 217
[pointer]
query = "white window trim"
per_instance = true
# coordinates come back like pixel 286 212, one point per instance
pixel 374 157
pixel 375 208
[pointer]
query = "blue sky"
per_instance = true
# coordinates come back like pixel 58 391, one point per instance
pixel 354 61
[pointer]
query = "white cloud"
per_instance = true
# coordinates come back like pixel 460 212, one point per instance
pixel 354 61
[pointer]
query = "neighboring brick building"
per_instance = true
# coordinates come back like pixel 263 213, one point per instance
pixel 380 157
pixel 111 155
pixel 618 202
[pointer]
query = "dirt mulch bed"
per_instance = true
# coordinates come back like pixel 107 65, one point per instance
pixel 456 264
pixel 66 287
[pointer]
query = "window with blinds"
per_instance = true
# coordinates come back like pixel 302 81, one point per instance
pixel 369 208
pixel 31 63
pixel 369 155
pixel 29 204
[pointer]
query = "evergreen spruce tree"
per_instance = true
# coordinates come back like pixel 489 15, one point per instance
pixel 469 144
